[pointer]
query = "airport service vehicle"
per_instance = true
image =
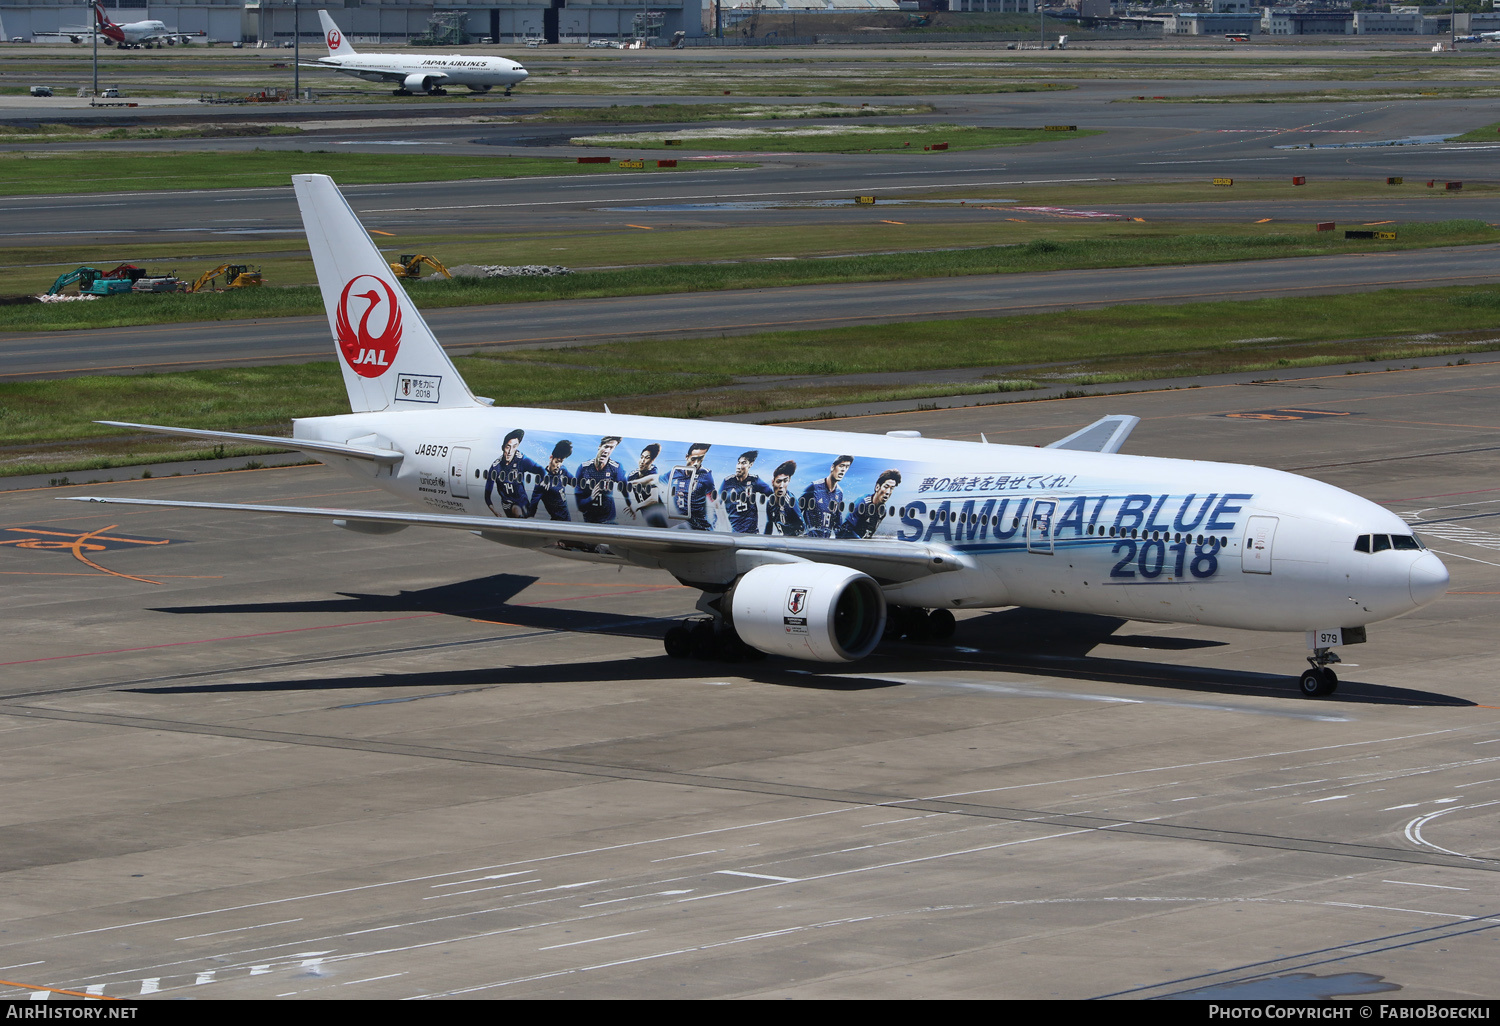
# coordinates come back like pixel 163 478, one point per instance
pixel 137 34
pixel 424 73
pixel 810 544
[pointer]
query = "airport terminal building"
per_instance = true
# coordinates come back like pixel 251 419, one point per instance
pixel 452 22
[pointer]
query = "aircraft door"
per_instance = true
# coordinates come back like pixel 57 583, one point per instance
pixel 1039 526
pixel 458 472
pixel 1255 557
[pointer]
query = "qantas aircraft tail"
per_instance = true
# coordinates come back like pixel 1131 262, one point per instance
pixel 107 28
pixel 388 355
pixel 338 46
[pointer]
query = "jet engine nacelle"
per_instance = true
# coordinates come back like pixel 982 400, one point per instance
pixel 417 82
pixel 817 611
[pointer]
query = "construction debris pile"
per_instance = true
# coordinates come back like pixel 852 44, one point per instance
pixel 496 271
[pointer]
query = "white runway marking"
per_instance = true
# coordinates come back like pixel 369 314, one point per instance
pixel 478 890
pixel 594 940
pixel 242 929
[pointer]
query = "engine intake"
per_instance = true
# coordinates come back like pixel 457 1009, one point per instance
pixel 816 611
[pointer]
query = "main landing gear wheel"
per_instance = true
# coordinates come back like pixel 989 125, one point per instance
pixel 919 625
pixel 705 641
pixel 1318 682
pixel 678 641
pixel 400 92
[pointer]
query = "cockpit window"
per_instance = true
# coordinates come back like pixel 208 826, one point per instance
pixel 1382 542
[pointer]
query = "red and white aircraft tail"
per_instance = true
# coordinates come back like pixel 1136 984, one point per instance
pixel 390 358
pixel 338 46
pixel 107 28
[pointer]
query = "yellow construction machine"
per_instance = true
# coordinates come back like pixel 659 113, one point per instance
pixel 236 276
pixel 410 266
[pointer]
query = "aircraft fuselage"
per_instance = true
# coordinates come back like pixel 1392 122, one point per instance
pixel 1133 536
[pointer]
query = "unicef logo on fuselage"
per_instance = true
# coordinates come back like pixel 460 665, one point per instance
pixel 370 348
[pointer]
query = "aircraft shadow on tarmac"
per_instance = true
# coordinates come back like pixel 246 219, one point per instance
pixel 1048 644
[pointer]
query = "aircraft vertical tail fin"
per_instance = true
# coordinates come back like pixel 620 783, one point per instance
pixel 338 46
pixel 388 354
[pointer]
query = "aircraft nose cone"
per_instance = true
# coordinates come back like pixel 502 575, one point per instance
pixel 1429 578
pixel 523 73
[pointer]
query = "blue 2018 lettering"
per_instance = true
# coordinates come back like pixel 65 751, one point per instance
pixel 1150 558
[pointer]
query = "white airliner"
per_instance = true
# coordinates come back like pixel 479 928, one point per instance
pixel 137 34
pixel 418 72
pixel 813 544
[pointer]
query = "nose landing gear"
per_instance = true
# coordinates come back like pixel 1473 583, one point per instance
pixel 1320 680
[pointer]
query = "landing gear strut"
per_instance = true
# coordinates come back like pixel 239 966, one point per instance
pixel 1320 680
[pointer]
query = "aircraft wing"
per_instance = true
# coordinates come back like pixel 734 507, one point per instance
pixel 887 561
pixel 1104 435
pixel 317 448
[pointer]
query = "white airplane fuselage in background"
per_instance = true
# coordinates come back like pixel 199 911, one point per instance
pixel 418 73
pixel 802 541
pixel 135 34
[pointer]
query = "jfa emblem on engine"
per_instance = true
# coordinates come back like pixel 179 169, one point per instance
pixel 796 600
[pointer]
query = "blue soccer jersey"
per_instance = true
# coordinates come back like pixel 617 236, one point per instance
pixel 782 516
pixel 740 502
pixel 550 493
pixel 863 519
pixel 505 485
pixel 820 508
pixel 691 494
pixel 596 491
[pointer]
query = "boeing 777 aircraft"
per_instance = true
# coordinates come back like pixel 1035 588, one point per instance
pixel 418 72
pixel 808 544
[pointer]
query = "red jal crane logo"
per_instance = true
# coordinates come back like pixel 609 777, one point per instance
pixel 369 355
pixel 333 39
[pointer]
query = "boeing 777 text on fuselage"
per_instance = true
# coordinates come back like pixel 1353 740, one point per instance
pixel 418 73
pixel 808 544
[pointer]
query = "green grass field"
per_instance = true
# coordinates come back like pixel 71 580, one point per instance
pixel 39 174
pixel 695 377
pixel 831 139
pixel 1051 246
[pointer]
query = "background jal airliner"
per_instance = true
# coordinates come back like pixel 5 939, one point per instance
pixel 417 73
pixel 814 544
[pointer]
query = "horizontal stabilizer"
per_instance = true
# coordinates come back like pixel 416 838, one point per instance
pixel 1104 435
pixel 884 560
pixel 317 448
